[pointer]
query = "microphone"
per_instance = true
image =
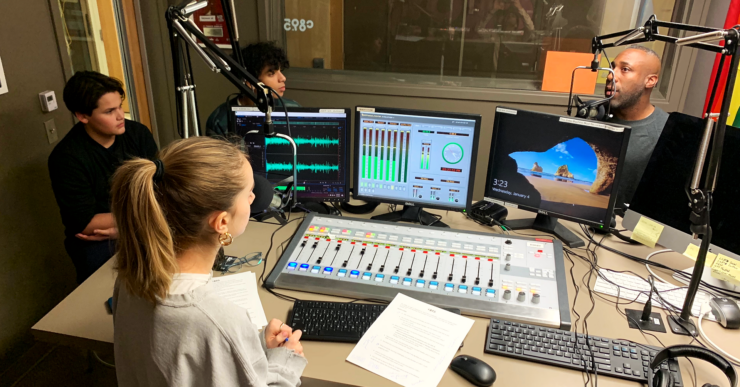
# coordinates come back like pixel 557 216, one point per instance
pixel 591 109
pixel 264 196
pixel 599 109
pixel 268 201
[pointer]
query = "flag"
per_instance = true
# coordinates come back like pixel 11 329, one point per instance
pixel 733 18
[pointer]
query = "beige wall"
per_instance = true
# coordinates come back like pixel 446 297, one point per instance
pixel 36 272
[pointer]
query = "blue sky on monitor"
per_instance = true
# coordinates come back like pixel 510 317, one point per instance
pixel 575 153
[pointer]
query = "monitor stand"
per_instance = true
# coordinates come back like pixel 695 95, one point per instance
pixel 411 214
pixel 549 225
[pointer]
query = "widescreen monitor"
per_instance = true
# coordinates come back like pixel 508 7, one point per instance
pixel 321 137
pixel 416 159
pixel 556 166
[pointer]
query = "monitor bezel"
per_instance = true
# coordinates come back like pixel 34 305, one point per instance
pixel 612 197
pixel 347 155
pixel 452 115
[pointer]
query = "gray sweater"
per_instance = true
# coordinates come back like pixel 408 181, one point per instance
pixel 644 136
pixel 195 339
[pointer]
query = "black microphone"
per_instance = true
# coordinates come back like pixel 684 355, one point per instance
pixel 268 201
pixel 264 195
pixel 591 109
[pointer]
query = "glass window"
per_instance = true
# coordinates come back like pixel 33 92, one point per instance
pixel 500 44
pixel 91 32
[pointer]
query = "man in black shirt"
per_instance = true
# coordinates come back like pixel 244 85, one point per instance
pixel 82 164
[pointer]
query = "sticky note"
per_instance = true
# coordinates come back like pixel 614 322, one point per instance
pixel 726 269
pixel 559 68
pixel 692 251
pixel 647 232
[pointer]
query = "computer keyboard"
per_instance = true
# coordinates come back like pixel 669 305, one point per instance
pixel 627 282
pixel 616 358
pixel 333 321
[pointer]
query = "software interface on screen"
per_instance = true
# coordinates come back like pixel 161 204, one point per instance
pixel 414 158
pixel 321 138
pixel 556 165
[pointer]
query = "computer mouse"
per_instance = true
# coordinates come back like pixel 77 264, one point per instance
pixel 726 312
pixel 476 371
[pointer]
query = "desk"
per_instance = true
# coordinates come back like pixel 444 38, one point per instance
pixel 81 319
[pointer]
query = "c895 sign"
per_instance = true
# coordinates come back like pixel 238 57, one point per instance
pixel 297 24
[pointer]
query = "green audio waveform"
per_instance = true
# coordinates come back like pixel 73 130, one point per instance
pixel 313 141
pixel 302 167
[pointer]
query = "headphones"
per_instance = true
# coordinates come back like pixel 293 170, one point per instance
pixel 664 378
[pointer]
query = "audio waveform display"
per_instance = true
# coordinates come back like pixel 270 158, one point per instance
pixel 313 141
pixel 284 167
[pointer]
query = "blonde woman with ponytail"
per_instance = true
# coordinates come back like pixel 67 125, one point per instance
pixel 171 328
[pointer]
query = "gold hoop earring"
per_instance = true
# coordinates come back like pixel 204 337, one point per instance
pixel 225 239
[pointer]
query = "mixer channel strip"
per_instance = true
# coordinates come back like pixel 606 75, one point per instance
pixel 480 273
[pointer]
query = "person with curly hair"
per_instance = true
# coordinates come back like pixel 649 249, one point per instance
pixel 266 62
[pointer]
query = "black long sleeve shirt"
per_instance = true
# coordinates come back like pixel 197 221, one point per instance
pixel 81 169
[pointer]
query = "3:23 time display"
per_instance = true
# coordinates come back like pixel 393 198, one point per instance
pixel 500 183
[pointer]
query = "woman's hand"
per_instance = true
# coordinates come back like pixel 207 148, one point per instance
pixel 294 342
pixel 276 332
pixel 99 235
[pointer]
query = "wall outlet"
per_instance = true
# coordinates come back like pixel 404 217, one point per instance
pixel 51 131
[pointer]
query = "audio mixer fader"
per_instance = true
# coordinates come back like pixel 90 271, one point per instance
pixel 482 274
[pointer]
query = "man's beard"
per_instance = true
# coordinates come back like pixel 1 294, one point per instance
pixel 626 101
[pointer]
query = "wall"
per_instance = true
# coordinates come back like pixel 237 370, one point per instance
pixel 36 272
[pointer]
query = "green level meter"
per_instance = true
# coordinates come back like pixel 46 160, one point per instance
pixel 283 187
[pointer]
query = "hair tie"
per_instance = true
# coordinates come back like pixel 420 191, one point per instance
pixel 159 173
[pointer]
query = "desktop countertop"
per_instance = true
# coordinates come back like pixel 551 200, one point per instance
pixel 82 320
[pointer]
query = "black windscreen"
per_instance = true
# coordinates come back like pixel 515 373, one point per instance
pixel 661 194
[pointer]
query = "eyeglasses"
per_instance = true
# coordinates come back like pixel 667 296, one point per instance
pixel 233 264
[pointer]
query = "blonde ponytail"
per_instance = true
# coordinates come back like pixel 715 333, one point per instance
pixel 159 219
pixel 145 241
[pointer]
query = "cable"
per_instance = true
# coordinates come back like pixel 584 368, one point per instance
pixel 712 289
pixel 647 265
pixel 705 310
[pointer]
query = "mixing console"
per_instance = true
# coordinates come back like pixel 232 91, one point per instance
pixel 482 274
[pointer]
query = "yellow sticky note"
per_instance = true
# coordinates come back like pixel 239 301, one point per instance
pixel 692 251
pixel 726 269
pixel 647 232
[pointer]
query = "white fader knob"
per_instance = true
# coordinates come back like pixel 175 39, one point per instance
pixel 521 297
pixel 507 294
pixel 508 257
pixel 507 267
pixel 536 298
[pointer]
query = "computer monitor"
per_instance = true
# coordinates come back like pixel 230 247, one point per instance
pixel 321 136
pixel 661 194
pixel 556 166
pixel 416 159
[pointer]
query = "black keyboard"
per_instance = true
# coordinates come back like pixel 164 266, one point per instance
pixel 333 321
pixel 617 358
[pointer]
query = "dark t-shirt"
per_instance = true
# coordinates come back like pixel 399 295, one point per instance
pixel 644 136
pixel 80 170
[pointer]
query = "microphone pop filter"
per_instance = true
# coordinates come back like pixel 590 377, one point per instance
pixel 263 193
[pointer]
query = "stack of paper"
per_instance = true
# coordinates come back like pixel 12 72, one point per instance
pixel 411 343
pixel 241 289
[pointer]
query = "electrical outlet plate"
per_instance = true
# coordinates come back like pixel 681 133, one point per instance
pixel 51 131
pixel 655 323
